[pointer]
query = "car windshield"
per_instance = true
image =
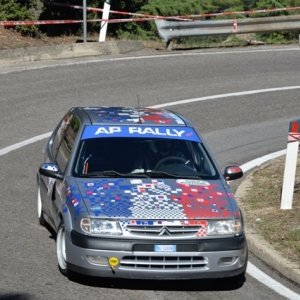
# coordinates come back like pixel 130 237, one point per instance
pixel 144 157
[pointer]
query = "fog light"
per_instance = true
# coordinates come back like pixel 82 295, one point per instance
pixel 98 260
pixel 226 261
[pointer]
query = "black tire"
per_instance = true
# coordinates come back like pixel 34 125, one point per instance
pixel 61 250
pixel 42 221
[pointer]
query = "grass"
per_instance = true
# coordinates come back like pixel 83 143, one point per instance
pixel 261 207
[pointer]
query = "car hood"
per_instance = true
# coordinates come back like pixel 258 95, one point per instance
pixel 153 198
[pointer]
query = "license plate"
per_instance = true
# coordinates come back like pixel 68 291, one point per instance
pixel 165 248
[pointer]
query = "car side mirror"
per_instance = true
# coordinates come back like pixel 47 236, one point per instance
pixel 233 172
pixel 51 170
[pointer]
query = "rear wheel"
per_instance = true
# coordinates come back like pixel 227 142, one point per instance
pixel 42 221
pixel 61 249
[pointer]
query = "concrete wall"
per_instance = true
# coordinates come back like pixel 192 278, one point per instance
pixel 14 56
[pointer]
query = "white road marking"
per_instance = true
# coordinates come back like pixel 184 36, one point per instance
pixel 271 283
pixel 227 95
pixel 251 269
pixel 53 64
pixel 261 160
pixel 24 143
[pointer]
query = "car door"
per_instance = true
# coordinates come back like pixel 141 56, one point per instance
pixel 46 183
pixel 63 159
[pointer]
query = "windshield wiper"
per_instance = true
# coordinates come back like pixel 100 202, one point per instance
pixel 112 173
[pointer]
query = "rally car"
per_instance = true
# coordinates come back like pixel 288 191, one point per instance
pixel 135 193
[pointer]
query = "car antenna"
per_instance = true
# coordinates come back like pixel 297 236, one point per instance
pixel 138 102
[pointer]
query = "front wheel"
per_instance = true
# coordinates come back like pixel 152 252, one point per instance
pixel 61 249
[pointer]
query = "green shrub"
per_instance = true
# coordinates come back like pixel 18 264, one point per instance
pixel 11 10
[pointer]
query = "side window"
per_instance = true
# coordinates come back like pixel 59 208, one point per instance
pixel 66 145
pixel 60 133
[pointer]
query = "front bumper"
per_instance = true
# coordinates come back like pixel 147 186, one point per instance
pixel 194 259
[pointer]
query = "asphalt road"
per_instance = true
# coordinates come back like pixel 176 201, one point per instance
pixel 237 128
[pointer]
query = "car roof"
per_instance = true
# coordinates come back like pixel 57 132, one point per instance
pixel 131 115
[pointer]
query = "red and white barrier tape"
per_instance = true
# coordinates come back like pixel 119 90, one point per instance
pixel 117 12
pixel 24 23
pixel 293 137
pixel 48 22
pixel 145 16
pixel 244 12
pixel 187 17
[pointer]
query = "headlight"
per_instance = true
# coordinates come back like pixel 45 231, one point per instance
pixel 223 227
pixel 100 226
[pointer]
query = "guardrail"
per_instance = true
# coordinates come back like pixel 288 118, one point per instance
pixel 183 26
pixel 169 30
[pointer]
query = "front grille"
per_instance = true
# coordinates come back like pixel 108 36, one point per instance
pixel 163 263
pixel 163 231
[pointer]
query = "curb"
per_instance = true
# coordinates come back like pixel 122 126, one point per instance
pixel 30 54
pixel 261 248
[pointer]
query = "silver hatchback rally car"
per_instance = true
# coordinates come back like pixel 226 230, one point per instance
pixel 135 193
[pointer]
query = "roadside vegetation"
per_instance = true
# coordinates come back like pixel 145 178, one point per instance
pixel 261 208
pixel 18 10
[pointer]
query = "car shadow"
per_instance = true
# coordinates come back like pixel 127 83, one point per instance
pixel 16 296
pixel 224 284
pixel 51 231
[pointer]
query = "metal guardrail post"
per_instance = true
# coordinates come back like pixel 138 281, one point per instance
pixel 169 45
pixel 84 21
